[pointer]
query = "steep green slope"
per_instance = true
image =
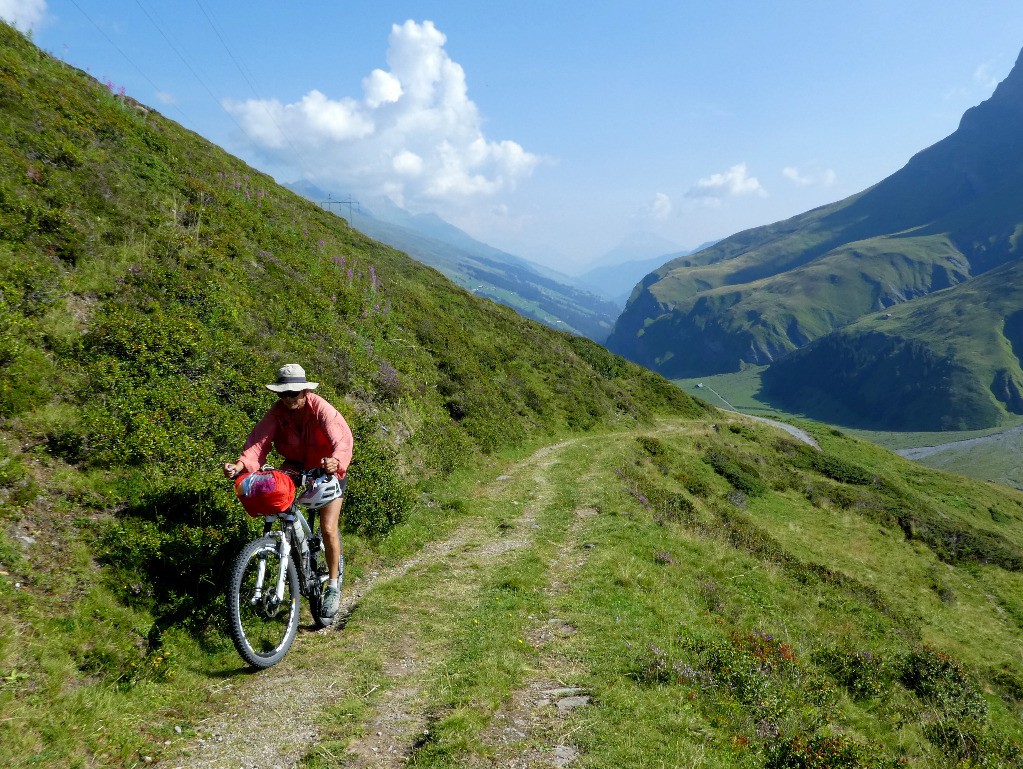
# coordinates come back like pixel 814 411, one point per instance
pixel 953 212
pixel 150 284
pixel 910 367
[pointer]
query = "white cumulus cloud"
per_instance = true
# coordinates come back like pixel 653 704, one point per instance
pixel 381 88
pixel 413 134
pixel 736 181
pixel 804 178
pixel 23 14
pixel 659 209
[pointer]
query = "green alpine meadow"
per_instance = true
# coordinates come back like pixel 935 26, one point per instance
pixel 554 557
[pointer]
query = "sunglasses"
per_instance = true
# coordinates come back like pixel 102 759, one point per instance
pixel 291 394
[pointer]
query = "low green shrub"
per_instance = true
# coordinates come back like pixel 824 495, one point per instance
pixel 657 666
pixel 839 469
pixel 808 458
pixel 605 363
pixel 863 673
pixel 814 751
pixel 12 469
pixel 737 471
pixel 941 680
pixel 171 553
pixel 1009 682
pixel 376 497
pixel 655 447
pixel 972 742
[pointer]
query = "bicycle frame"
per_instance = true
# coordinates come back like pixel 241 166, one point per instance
pixel 289 551
pixel 264 597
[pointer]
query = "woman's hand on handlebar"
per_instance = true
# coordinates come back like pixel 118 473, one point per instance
pixel 332 466
pixel 232 469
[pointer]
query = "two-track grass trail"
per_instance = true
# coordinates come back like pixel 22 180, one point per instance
pixel 696 593
pixel 458 642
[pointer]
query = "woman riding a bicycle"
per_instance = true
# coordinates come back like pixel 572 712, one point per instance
pixel 308 432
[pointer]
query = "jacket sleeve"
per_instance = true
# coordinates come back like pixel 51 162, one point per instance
pixel 257 447
pixel 337 431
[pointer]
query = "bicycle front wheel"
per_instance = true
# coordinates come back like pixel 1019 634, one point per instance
pixel 262 627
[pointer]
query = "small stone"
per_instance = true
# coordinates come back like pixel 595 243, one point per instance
pixel 568 691
pixel 177 730
pixel 565 755
pixel 571 703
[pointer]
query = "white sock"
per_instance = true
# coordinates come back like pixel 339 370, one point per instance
pixel 332 583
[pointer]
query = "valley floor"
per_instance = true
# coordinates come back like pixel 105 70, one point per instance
pixel 994 454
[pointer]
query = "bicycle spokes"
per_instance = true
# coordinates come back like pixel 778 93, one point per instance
pixel 263 604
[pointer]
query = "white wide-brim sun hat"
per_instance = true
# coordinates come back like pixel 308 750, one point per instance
pixel 291 378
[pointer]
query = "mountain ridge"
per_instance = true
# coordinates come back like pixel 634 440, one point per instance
pixel 533 291
pixel 950 214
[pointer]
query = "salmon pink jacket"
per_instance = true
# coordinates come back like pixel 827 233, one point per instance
pixel 303 437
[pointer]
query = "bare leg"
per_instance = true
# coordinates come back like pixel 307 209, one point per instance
pixel 329 516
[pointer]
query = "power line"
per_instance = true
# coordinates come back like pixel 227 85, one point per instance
pixel 194 73
pixel 215 27
pixel 216 30
pixel 127 58
pixel 329 204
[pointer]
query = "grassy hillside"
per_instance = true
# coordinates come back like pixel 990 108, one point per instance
pixel 715 592
pixel 149 285
pixel 723 596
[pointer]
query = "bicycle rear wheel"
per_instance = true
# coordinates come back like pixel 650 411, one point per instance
pixel 262 627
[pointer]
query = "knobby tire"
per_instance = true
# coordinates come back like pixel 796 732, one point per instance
pixel 262 631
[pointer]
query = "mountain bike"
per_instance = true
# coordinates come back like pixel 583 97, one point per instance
pixel 269 578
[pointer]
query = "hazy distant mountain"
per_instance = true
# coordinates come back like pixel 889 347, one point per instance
pixel 614 275
pixel 529 289
pixel 955 211
pixel 636 246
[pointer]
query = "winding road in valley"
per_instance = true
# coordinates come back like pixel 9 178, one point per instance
pixel 970 443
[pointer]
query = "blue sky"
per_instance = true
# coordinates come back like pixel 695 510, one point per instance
pixel 554 130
